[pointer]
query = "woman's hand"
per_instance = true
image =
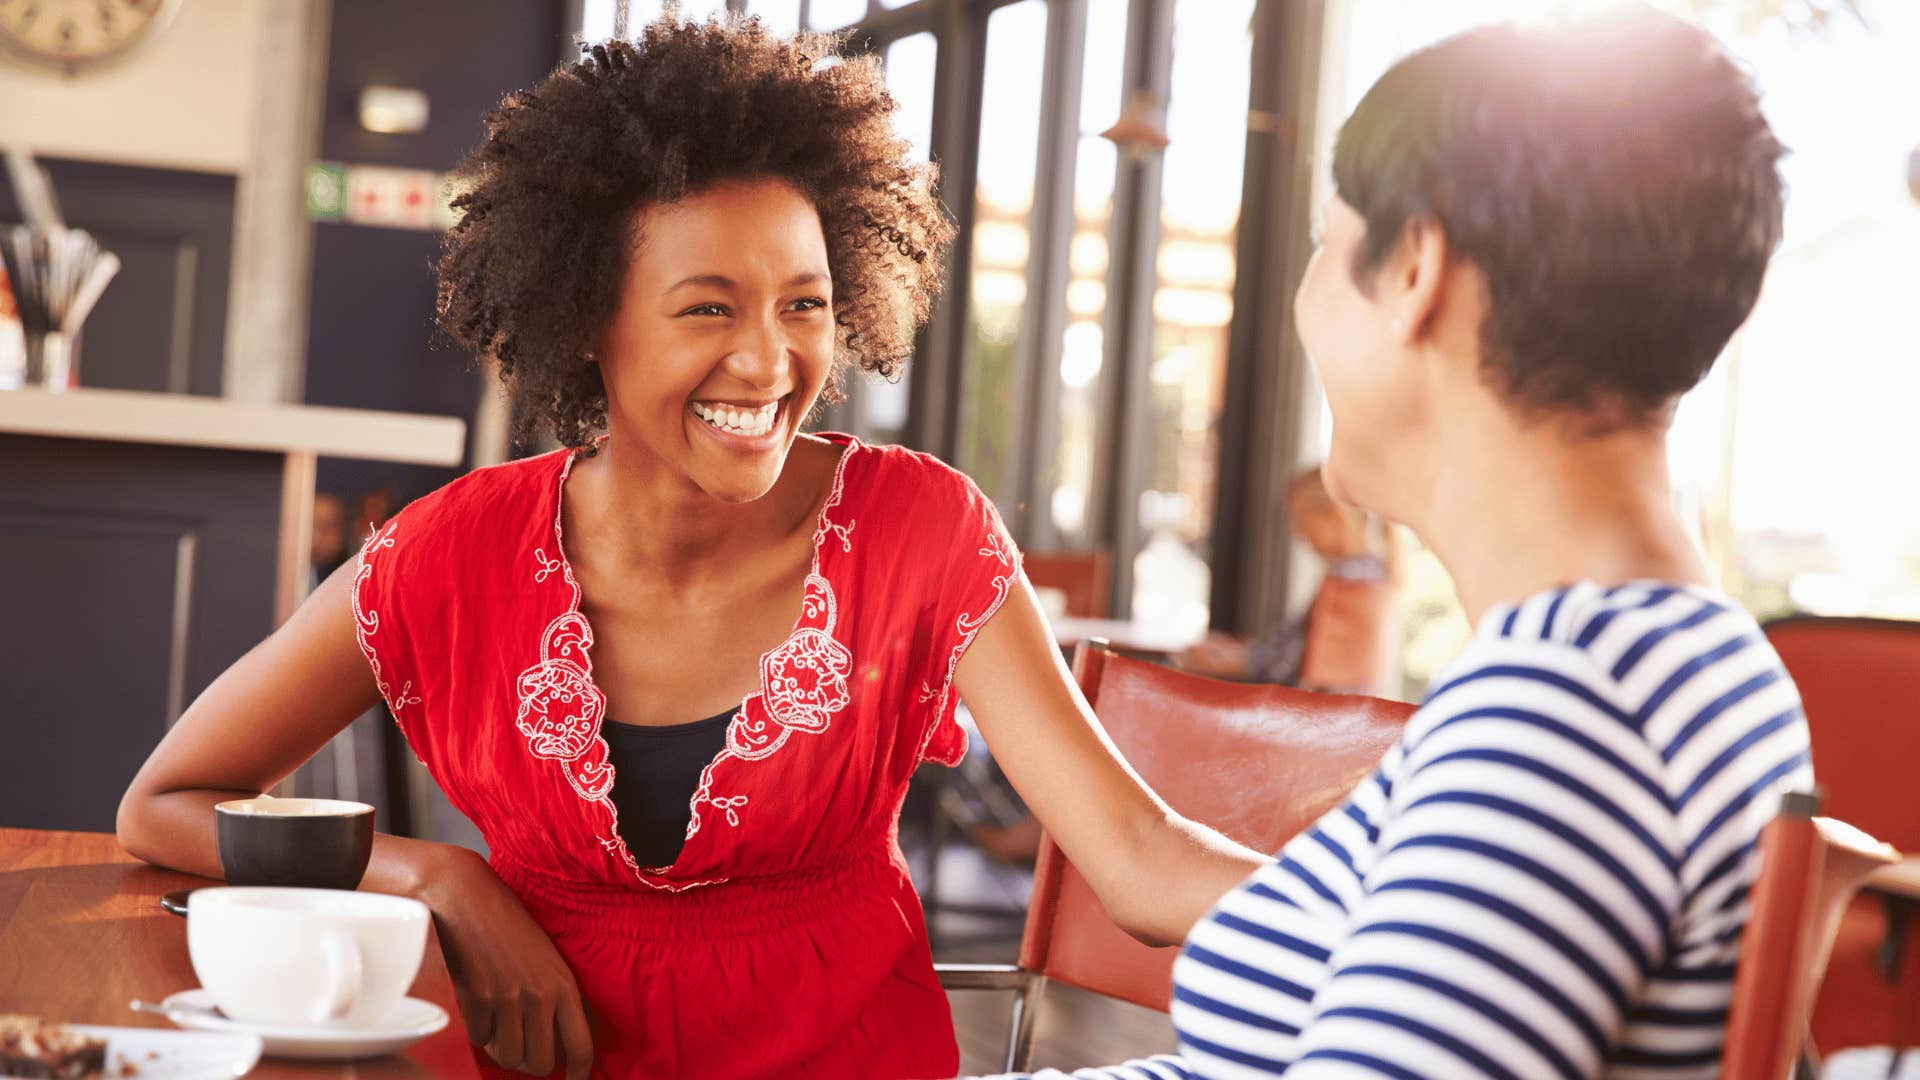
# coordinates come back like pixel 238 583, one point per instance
pixel 518 996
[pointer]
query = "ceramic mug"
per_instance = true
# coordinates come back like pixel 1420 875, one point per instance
pixel 302 957
pixel 312 843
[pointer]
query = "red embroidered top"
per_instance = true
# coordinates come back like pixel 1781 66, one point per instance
pixel 786 938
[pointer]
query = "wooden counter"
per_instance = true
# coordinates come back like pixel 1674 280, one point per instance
pixel 185 420
pixel 146 542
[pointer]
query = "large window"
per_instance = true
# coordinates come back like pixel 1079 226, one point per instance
pixel 1078 363
pixel 1192 306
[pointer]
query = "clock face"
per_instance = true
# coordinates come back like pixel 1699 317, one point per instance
pixel 74 34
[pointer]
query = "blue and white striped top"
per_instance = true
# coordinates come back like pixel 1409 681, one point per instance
pixel 1546 877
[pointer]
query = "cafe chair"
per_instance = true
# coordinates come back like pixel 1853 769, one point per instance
pixel 972 798
pixel 1257 762
pixel 1810 867
pixel 1860 682
pixel 1086 577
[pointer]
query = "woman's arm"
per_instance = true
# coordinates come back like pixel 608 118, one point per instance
pixel 264 716
pixel 1156 872
pixel 271 711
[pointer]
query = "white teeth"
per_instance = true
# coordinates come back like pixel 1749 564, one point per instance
pixel 757 422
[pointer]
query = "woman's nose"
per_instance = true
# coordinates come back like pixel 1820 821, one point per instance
pixel 760 355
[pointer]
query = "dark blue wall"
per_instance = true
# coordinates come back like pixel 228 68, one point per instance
pixel 371 323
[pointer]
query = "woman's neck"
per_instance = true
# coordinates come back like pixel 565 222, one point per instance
pixel 649 517
pixel 1518 509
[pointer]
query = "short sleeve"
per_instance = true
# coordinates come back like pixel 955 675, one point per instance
pixel 376 615
pixel 395 590
pixel 975 566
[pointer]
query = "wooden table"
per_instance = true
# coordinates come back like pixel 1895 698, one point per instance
pixel 82 933
pixel 1124 634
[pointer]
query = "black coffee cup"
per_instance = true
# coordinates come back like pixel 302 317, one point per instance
pixel 305 843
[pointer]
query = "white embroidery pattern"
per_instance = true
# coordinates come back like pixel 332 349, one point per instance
pixel 803 684
pixel 366 621
pixel 561 709
pixel 803 681
pixel 730 805
pixel 996 546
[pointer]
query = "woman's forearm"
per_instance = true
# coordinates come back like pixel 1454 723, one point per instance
pixel 1176 872
pixel 179 829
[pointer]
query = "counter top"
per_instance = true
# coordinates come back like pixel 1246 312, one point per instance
pixel 190 420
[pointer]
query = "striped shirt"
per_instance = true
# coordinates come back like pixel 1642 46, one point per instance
pixel 1546 877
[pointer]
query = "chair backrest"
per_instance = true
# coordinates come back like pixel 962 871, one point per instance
pixel 1353 633
pixel 1258 763
pixel 1810 867
pixel 1085 576
pixel 1860 681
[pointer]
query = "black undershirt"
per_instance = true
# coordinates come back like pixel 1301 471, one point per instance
pixel 655 773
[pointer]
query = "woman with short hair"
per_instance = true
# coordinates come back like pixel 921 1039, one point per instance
pixel 1539 240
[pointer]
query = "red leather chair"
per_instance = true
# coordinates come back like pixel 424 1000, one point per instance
pixel 1810 867
pixel 1085 576
pixel 1860 680
pixel 1260 763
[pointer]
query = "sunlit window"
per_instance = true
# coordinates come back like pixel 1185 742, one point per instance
pixel 1083 343
pixel 1192 307
pixel 1003 204
pixel 781 16
pixel 834 14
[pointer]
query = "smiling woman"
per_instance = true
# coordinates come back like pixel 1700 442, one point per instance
pixel 583 169
pixel 680 671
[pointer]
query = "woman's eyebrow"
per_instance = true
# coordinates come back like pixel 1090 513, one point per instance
pixel 721 281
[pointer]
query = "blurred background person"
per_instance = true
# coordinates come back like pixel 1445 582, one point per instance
pixel 1346 640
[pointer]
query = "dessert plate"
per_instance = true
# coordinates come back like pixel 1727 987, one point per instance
pixel 151 1054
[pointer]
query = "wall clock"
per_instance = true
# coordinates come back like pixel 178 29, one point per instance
pixel 75 35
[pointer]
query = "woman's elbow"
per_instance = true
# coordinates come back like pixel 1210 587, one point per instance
pixel 132 823
pixel 1143 920
pixel 1153 937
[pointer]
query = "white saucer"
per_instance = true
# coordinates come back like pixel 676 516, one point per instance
pixel 407 1022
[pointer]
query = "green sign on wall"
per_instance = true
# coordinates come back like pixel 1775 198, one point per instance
pixel 326 191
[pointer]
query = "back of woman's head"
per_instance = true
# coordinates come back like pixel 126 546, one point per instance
pixel 1612 179
pixel 532 271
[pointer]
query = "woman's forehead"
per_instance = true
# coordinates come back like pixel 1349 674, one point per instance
pixel 767 228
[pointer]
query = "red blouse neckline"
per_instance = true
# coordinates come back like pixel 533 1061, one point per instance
pixel 823 527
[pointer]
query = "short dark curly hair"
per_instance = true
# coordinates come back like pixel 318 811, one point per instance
pixel 1613 179
pixel 531 272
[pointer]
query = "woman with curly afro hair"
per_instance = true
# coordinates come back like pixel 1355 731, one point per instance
pixel 680 671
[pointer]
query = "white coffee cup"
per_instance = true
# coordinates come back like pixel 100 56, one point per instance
pixel 300 957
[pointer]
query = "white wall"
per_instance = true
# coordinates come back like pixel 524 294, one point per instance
pixel 182 100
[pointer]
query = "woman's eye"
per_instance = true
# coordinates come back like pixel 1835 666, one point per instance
pixel 705 309
pixel 809 303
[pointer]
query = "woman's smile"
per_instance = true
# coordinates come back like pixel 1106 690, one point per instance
pixel 745 426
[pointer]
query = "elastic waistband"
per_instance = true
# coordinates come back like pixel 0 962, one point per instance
pixel 736 907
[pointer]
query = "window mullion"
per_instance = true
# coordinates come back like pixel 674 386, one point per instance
pixel 1260 426
pixel 1134 240
pixel 1050 237
pixel 939 377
